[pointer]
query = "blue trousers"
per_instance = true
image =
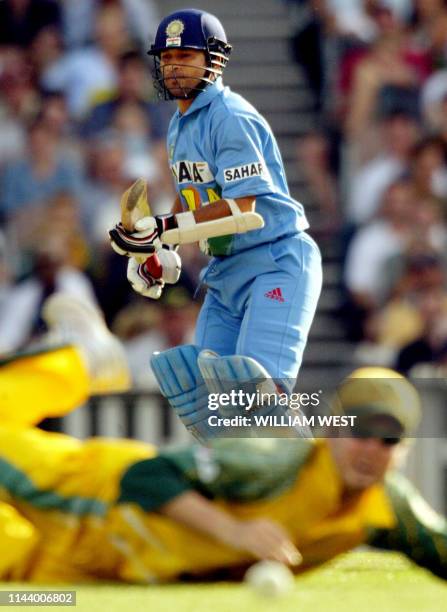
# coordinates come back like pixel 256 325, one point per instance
pixel 261 303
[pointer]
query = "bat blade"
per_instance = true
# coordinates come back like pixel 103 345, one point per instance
pixel 134 206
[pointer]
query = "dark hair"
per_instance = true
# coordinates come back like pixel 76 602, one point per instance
pixel 130 57
pixel 427 142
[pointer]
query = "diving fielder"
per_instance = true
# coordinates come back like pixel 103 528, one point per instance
pixel 103 509
pixel 264 278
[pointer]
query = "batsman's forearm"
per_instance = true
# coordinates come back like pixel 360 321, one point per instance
pixel 177 206
pixel 218 209
pixel 221 209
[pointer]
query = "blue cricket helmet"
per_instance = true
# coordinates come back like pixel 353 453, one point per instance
pixel 191 29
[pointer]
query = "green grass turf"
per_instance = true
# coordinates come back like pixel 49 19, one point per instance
pixel 359 581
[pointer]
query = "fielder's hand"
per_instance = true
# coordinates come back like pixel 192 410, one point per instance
pixel 265 539
pixel 145 240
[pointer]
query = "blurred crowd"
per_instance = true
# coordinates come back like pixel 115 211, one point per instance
pixel 79 122
pixel 377 167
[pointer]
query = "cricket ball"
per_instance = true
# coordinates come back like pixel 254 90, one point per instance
pixel 269 578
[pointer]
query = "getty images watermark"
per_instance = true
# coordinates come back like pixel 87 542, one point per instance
pixel 289 415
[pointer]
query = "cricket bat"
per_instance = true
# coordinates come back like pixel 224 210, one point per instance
pixel 134 206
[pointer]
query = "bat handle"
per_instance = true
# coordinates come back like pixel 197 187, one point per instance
pixel 153 266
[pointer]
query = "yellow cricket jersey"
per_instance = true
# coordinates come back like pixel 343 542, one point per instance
pixel 45 384
pixel 67 491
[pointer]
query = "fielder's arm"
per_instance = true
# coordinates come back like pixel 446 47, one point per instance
pixel 260 537
pixel 158 485
pixel 420 533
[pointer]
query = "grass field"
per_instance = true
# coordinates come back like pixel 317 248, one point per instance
pixel 357 582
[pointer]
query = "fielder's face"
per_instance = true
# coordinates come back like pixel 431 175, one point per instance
pixel 182 70
pixel 361 462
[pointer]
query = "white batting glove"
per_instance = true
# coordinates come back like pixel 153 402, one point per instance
pixel 151 284
pixel 142 282
pixel 171 265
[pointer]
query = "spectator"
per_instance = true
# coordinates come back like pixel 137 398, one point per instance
pixel 370 250
pixel 133 87
pixel 132 111
pixel 327 30
pixel 431 345
pixel 62 218
pixel 78 22
pixel 433 101
pixel 142 19
pixel 314 159
pixel 430 28
pixel 45 50
pixel 429 170
pixel 84 73
pixel 314 24
pixel 105 183
pixel 385 80
pixel 36 177
pixel 20 316
pixel 78 18
pixel 55 117
pixel 360 18
pixel 429 223
pixel 171 326
pixel 427 240
pixel 19 102
pixel 368 183
pixel 402 320
pixel 22 20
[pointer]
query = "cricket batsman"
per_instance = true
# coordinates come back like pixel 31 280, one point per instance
pixel 74 511
pixel 264 277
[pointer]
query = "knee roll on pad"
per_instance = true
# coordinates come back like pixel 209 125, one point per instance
pixel 182 384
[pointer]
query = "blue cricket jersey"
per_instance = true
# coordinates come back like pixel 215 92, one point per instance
pixel 223 148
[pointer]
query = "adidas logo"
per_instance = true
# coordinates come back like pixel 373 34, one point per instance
pixel 275 294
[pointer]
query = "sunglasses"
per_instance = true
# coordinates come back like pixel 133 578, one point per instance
pixel 365 433
pixel 383 441
pixel 390 441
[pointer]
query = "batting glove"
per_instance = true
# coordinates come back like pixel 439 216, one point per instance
pixel 145 240
pixel 142 281
pixel 171 265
